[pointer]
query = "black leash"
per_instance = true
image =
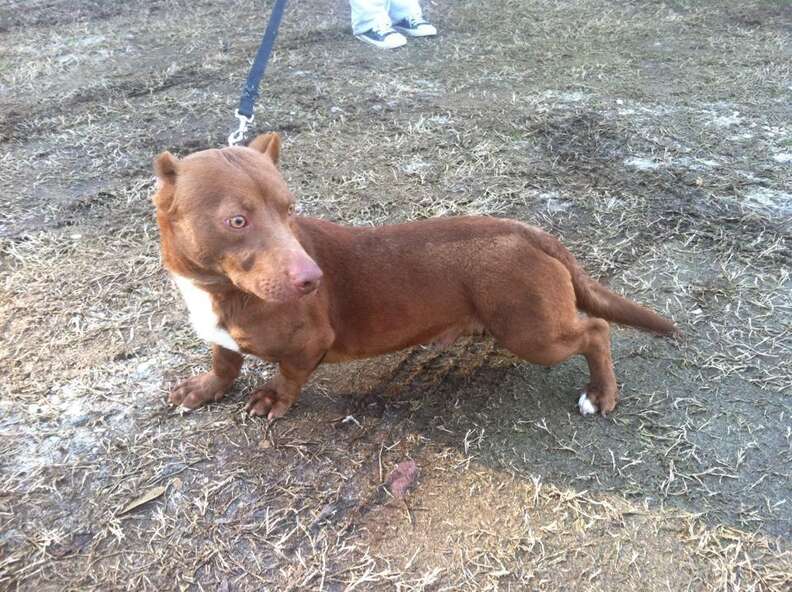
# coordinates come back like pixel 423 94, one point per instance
pixel 250 91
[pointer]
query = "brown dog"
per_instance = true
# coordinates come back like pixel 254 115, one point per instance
pixel 298 291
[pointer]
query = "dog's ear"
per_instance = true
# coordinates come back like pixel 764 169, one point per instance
pixel 165 167
pixel 268 144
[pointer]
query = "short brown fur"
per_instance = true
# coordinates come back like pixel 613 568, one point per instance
pixel 381 289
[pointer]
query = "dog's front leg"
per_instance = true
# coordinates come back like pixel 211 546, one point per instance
pixel 280 393
pixel 209 386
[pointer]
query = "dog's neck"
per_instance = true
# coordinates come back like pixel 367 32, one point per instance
pixel 212 283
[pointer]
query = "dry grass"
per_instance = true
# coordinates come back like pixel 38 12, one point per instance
pixel 653 138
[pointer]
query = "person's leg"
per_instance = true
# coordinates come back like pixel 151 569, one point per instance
pixel 402 9
pixel 407 18
pixel 368 14
pixel 370 23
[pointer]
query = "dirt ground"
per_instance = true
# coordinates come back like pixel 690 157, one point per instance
pixel 654 138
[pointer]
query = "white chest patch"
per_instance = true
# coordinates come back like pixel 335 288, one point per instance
pixel 202 316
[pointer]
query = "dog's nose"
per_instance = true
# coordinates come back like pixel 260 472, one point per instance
pixel 306 277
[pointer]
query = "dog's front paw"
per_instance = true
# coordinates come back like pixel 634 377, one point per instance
pixel 267 401
pixel 198 390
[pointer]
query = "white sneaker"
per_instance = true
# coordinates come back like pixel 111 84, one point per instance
pixel 415 27
pixel 383 37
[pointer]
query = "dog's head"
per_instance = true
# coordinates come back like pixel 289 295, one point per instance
pixel 227 217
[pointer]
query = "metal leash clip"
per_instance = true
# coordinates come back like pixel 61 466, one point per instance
pixel 238 135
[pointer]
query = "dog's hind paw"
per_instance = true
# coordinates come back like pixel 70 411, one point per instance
pixel 585 405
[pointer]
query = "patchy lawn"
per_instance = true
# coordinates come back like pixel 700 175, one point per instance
pixel 654 138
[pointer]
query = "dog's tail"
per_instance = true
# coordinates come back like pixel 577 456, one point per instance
pixel 597 300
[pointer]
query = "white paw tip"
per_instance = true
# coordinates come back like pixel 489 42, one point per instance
pixel 585 405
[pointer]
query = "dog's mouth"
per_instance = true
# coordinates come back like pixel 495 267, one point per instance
pixel 289 287
pixel 277 292
pixel 279 276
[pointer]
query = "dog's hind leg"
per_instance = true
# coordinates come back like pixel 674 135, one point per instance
pixel 209 386
pixel 543 326
pixel 588 337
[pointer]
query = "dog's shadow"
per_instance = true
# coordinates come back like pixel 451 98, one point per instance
pixel 491 406
pixel 421 386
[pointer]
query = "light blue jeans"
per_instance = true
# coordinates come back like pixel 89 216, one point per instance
pixel 368 14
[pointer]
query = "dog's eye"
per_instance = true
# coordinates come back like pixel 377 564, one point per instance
pixel 292 209
pixel 237 222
